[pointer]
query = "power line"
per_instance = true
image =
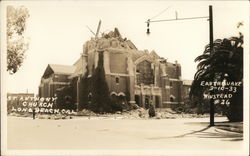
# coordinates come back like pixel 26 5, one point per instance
pixel 160 13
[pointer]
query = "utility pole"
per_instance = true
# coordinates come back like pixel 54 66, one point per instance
pixel 210 18
pixel 211 40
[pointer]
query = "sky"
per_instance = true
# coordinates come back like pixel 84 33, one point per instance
pixel 57 30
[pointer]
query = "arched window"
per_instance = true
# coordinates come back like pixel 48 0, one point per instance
pixel 89 97
pixel 117 80
pixel 171 99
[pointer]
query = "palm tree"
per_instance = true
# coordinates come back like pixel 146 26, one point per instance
pixel 223 63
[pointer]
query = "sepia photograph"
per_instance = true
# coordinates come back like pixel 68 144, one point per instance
pixel 105 77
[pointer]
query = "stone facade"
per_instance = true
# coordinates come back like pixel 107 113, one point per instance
pixel 142 76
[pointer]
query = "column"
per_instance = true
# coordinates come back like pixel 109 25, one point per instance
pixel 77 94
pixel 130 71
pixel 131 89
pixel 143 100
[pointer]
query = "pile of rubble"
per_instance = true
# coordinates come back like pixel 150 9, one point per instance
pixel 53 116
pixel 86 112
pixel 166 113
pixel 139 113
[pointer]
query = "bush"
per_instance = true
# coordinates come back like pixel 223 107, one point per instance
pixel 151 111
pixel 235 109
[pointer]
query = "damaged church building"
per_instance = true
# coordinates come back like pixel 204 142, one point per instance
pixel 132 75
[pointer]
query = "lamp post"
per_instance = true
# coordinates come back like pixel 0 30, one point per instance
pixel 210 19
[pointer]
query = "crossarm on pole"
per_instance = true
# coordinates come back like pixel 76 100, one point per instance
pixel 174 19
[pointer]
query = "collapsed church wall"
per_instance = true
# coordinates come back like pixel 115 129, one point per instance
pixel 140 77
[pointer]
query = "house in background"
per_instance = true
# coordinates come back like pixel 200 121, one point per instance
pixel 140 76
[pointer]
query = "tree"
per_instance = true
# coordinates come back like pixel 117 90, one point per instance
pixel 85 91
pixel 16 44
pixel 224 63
pixel 67 96
pixel 101 101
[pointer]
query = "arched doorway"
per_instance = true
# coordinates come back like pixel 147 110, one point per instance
pixel 157 101
pixel 138 100
pixel 122 98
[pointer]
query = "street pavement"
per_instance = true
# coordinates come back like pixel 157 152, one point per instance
pixel 122 134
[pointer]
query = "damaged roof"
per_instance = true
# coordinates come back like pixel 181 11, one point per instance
pixel 59 69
